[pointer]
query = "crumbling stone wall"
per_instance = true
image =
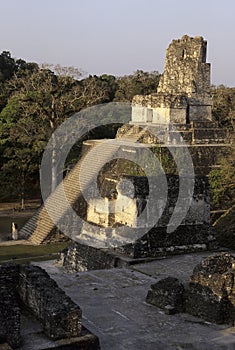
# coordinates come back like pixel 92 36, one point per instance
pixel 209 295
pixel 183 94
pixel 60 317
pixel 186 70
pixel 33 287
pixel 137 193
pixel 193 234
pixel 79 257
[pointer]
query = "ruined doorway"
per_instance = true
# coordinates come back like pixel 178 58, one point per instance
pixel 187 115
pixel 149 115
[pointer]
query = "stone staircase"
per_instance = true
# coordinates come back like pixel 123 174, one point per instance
pixel 40 226
pixel 134 134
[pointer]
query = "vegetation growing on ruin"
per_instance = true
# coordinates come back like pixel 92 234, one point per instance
pixel 223 108
pixel 222 180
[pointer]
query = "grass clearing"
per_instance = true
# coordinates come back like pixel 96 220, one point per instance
pixel 26 253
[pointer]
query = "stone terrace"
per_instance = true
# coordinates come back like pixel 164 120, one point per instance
pixel 114 307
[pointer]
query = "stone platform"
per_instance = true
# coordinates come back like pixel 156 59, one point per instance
pixel 192 234
pixel 114 307
pixel 204 140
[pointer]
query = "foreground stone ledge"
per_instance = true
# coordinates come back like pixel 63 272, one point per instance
pixel 86 341
pixel 60 317
pixel 27 293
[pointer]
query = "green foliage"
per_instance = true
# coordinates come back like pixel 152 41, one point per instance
pixel 95 90
pixel 35 100
pixel 223 108
pixel 139 83
pixel 222 180
pixel 7 66
pixel 39 101
pixel 225 229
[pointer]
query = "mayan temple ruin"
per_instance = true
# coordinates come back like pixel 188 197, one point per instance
pixel 173 122
pixel 184 92
pixel 143 248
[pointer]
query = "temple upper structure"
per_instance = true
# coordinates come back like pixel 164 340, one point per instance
pixel 184 91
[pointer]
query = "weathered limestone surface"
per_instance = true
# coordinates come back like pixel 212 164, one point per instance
pixel 209 295
pixel 61 318
pixel 193 234
pixel 199 211
pixel 27 287
pixel 80 257
pixel 194 133
pixel 168 294
pixel 157 242
pixel 202 302
pixel 186 70
pixel 183 94
pixel 204 141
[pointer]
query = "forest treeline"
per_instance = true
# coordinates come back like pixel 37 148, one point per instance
pixel 35 100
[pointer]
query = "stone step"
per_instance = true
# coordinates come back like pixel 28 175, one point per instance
pixel 134 133
pixel 209 135
pixel 203 132
pixel 204 124
pixel 40 225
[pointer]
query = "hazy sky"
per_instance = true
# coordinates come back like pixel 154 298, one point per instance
pixel 117 36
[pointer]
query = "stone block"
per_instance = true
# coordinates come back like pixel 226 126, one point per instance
pixel 60 317
pixel 167 294
pixel 81 257
pixel 211 293
pixel 202 302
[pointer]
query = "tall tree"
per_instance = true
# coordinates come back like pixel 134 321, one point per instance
pixel 39 102
pixel 139 83
pixel 223 108
pixel 7 66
